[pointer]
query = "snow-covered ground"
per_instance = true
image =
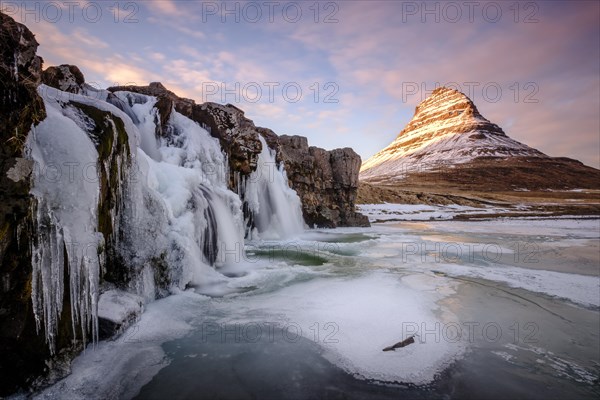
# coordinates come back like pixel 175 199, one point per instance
pixel 421 212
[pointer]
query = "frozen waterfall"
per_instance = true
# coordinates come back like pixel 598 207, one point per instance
pixel 275 207
pixel 173 219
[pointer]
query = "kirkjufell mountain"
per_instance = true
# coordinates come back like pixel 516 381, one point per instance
pixel 449 138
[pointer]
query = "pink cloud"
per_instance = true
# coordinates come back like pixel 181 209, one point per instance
pixel 168 8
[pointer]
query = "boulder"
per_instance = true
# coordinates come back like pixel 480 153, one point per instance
pixel 67 78
pixel 117 310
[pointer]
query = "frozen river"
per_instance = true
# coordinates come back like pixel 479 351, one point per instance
pixel 498 309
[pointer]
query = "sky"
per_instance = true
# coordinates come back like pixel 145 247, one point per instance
pixel 346 73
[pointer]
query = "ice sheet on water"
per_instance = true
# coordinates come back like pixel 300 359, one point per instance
pixel 354 319
pixel 421 212
pixel 118 369
pixel 351 319
pixel 579 289
pixel 582 228
pixel 562 366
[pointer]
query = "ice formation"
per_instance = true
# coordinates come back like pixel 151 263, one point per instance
pixel 172 218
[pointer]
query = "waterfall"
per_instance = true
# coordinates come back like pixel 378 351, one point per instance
pixel 189 175
pixel 172 222
pixel 276 208
pixel 143 114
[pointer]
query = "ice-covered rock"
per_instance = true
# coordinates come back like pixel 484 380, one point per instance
pixel 117 310
pixel 326 181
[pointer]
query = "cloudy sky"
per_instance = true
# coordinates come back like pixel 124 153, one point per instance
pixel 346 73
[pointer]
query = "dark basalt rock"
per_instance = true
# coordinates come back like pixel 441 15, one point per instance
pixel 326 181
pixel 23 351
pixel 25 354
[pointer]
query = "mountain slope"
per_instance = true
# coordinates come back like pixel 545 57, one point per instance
pixel 449 140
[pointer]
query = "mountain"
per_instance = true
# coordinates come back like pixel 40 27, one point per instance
pixel 448 141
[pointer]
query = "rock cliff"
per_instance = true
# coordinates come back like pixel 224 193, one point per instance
pixel 326 181
pixel 67 78
pixel 20 109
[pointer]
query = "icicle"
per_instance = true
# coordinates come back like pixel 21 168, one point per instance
pixel 65 221
pixel 47 279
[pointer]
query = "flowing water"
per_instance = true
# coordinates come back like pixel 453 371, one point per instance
pixel 500 309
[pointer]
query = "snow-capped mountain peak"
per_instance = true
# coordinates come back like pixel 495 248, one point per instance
pixel 446 129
